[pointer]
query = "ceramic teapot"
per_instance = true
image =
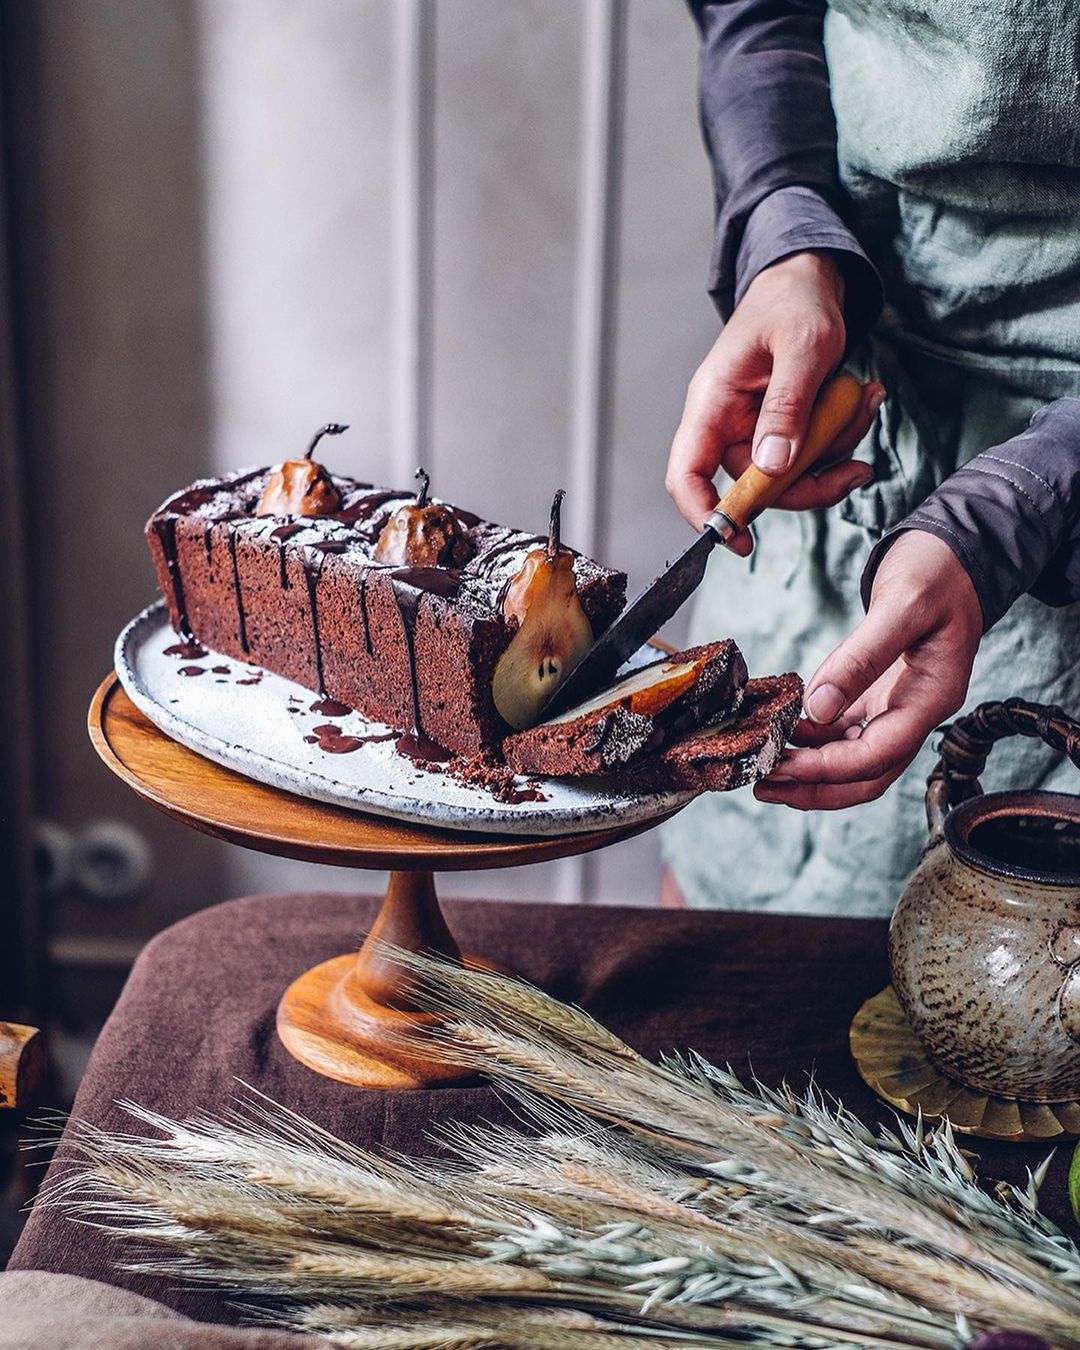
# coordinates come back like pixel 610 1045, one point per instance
pixel 985 942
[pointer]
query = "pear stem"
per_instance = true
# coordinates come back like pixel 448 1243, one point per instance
pixel 555 525
pixel 331 429
pixel 422 495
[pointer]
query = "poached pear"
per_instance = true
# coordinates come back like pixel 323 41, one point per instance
pixel 553 631
pixel 301 487
pixel 422 533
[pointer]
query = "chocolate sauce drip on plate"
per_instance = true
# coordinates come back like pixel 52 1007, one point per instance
pixel 330 707
pixel 191 671
pixel 236 588
pixel 328 736
pixel 221 670
pixel 251 679
pixel 186 651
pixel 421 749
pixel 525 794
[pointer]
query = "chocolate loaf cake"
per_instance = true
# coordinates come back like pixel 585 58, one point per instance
pixel 406 624
pixel 635 717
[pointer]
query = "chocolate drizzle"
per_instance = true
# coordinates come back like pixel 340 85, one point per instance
pixel 312 573
pixel 487 562
pixel 364 614
pixel 241 616
pixel 365 513
pixel 279 536
pixel 410 585
pixel 165 529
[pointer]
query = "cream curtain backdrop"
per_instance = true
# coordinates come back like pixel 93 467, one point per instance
pixel 477 232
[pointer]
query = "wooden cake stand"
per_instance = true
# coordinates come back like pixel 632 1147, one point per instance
pixel 349 1018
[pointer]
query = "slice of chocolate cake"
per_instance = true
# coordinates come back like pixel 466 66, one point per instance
pixel 392 604
pixel 636 716
pixel 731 753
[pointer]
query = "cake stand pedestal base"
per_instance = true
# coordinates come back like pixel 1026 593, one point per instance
pixel 355 1018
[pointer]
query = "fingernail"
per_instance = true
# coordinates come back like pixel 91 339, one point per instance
pixel 825 704
pixel 779 778
pixel 773 452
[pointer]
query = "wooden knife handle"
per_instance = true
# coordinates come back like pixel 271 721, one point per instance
pixel 753 490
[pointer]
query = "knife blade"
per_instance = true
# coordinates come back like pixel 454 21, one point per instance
pixel 635 625
pixel 752 492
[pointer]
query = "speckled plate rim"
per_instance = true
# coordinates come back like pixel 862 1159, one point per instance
pixel 892 1062
pixel 595 811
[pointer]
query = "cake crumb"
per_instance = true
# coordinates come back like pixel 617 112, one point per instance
pixel 491 774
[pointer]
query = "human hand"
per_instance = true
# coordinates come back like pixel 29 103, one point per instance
pixel 902 672
pixel 752 395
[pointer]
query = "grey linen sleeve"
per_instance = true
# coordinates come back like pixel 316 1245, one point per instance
pixel 1011 515
pixel 770 133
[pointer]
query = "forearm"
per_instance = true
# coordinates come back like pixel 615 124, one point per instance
pixel 771 136
pixel 1011 516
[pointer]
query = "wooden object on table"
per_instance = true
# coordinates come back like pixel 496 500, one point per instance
pixel 22 1064
pixel 893 1063
pixel 349 1018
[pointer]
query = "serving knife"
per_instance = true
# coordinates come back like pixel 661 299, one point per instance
pixel 745 500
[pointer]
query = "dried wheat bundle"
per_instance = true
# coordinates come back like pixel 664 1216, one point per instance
pixel 665 1204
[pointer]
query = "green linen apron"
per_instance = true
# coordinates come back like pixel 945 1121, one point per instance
pixel 959 143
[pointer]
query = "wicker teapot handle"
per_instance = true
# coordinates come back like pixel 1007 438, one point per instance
pixel 967 742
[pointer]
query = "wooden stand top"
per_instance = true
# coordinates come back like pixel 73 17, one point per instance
pixel 229 806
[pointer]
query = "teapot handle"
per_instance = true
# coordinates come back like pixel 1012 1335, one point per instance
pixel 967 742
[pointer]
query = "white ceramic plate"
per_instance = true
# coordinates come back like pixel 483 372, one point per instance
pixel 258 729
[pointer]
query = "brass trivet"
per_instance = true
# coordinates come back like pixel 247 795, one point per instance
pixel 893 1063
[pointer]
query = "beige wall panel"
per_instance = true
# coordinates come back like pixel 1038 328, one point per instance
pixel 506 146
pixel 297 101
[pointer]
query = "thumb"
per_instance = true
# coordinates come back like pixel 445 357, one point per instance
pixel 796 380
pixel 863 657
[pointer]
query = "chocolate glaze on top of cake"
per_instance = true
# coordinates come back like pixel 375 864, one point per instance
pixel 498 551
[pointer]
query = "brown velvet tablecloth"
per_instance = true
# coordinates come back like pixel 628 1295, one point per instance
pixel 198 1012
